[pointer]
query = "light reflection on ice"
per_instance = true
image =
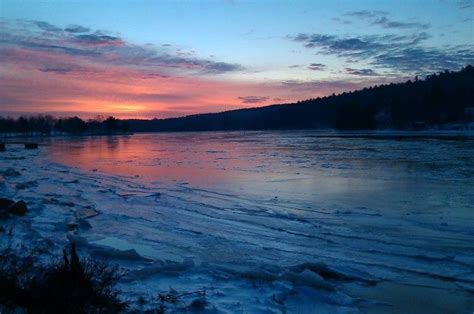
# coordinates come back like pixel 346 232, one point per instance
pixel 260 213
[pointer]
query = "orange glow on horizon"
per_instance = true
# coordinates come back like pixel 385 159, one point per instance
pixel 68 85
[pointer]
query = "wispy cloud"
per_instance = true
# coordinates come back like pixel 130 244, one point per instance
pixel 104 48
pixel 361 72
pixel 465 4
pixel 252 99
pixel 425 60
pixel 46 26
pixel 357 45
pixel 316 67
pixel 98 39
pixel 56 70
pixel 382 18
pixel 405 54
pixel 77 29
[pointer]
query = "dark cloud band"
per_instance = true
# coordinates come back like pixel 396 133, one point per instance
pixel 104 48
pixel 403 54
pixel 253 99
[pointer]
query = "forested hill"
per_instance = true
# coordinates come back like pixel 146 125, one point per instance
pixel 439 99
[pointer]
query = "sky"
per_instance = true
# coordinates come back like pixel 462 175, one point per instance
pixel 159 59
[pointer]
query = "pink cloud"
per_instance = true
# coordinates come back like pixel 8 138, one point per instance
pixel 95 73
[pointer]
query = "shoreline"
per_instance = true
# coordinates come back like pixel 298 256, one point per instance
pixel 388 134
pixel 38 135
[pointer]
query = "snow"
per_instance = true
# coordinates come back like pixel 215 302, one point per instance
pixel 263 221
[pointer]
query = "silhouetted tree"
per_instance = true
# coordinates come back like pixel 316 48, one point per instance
pixel 74 125
pixel 439 99
pixel 111 124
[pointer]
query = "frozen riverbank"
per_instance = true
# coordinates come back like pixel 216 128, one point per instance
pixel 287 222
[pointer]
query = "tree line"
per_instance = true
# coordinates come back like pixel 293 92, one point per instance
pixel 47 124
pixel 440 99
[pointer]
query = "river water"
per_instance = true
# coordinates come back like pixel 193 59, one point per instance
pixel 300 221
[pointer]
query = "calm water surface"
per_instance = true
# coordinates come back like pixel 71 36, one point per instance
pixel 393 175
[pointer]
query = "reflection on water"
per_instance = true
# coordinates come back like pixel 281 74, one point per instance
pixel 389 174
pixel 399 211
pixel 154 157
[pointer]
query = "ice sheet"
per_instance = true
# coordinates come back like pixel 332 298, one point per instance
pixel 263 221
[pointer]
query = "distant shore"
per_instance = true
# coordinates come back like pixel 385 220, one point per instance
pixel 381 134
pixel 58 134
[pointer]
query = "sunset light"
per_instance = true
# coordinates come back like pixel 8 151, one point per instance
pixel 134 60
pixel 237 156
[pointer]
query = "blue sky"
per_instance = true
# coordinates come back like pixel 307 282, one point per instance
pixel 265 46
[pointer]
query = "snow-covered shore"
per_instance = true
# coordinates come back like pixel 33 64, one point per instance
pixel 249 251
